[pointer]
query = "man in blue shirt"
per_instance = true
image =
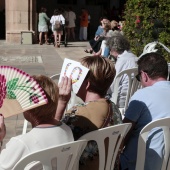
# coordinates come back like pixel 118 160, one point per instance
pixel 147 104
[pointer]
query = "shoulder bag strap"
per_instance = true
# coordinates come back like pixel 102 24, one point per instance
pixel 109 114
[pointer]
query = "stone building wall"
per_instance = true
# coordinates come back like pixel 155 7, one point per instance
pixel 19 17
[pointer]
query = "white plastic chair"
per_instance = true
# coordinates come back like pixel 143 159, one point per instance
pixel 150 47
pixel 133 86
pixel 168 166
pixel 55 77
pixel 65 155
pixel 163 123
pixel 115 134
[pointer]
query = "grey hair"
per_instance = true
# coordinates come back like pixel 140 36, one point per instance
pixel 118 43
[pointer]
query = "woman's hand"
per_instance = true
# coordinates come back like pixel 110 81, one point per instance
pixel 65 89
pixel 64 96
pixel 96 38
pixel 2 128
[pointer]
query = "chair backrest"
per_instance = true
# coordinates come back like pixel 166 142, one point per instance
pixel 163 123
pixel 115 134
pixel 55 77
pixel 168 165
pixel 151 47
pixel 65 154
pixel 133 85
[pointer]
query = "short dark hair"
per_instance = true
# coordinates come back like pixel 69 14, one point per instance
pixel 154 65
pixel 57 12
pixel 43 9
pixel 70 8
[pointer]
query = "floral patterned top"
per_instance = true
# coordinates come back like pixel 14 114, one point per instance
pixel 90 116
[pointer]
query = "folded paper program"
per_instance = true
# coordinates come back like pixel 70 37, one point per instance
pixel 75 71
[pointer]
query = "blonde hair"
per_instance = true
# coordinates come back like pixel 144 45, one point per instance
pixel 47 111
pixel 114 24
pixel 101 74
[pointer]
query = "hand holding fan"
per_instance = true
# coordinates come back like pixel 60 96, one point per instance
pixel 18 91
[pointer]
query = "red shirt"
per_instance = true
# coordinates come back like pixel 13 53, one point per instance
pixel 84 19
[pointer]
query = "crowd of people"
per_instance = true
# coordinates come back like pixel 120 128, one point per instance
pixel 50 121
pixel 67 21
pixel 61 21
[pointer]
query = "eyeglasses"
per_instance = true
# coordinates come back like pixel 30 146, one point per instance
pixel 138 76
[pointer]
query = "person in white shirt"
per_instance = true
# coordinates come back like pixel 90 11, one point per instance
pixel 58 19
pixel 70 23
pixel 46 132
pixel 125 59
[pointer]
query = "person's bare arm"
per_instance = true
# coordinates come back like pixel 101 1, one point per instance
pixel 2 130
pixel 64 96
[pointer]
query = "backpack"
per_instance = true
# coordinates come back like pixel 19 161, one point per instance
pixel 58 25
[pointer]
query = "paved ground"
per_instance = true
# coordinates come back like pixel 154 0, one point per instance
pixel 36 59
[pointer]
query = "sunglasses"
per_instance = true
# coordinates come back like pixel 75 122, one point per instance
pixel 138 76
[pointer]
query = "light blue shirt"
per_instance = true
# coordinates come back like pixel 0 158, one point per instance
pixel 99 30
pixel 146 105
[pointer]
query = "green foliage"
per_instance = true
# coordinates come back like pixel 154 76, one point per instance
pixel 147 21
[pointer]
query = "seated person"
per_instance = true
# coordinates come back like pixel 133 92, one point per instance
pixel 147 104
pixel 98 33
pixel 108 32
pixel 104 50
pixel 44 126
pixel 97 111
pixel 125 59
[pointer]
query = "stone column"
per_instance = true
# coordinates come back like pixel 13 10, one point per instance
pixel 19 17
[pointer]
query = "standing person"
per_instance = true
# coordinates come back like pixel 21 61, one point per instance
pixel 120 49
pixel 89 27
pixel 46 131
pixel 147 104
pixel 43 26
pixel 70 23
pixel 57 21
pixel 97 111
pixel 83 25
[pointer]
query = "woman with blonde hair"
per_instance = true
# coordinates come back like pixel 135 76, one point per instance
pixel 97 111
pixel 114 25
pixel 114 31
